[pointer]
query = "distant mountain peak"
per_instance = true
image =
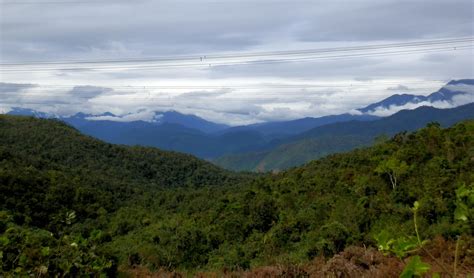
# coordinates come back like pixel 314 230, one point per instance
pixel 461 81
pixel 188 120
pixel 30 112
pixel 441 98
pixel 139 117
pixel 107 114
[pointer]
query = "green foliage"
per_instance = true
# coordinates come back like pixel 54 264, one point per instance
pixel 29 251
pixel 108 206
pixel 464 203
pixel 415 268
pixel 393 168
pixel 400 246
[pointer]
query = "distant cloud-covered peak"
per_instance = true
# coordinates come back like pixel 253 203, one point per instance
pixel 453 94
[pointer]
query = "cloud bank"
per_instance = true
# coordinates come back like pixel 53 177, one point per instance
pixel 117 30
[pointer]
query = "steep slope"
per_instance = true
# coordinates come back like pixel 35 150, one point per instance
pixel 339 137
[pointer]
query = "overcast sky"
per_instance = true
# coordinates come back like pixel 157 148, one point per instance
pixel 65 30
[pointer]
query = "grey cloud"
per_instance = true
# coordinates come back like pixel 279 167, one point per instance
pixel 226 106
pixel 140 115
pixel 201 28
pixel 390 20
pixel 398 88
pixel 118 30
pixel 363 78
pixel 205 94
pixel 87 92
pixel 164 28
pixel 437 57
pixel 457 101
pixel 14 88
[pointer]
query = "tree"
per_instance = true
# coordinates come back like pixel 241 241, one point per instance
pixel 394 168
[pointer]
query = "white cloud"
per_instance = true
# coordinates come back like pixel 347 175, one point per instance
pixel 230 106
pixel 456 101
pixel 116 30
pixel 141 115
pixel 399 87
pixel 460 88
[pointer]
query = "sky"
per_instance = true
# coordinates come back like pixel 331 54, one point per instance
pixel 235 91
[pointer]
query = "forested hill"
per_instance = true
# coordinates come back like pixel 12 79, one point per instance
pixel 63 214
pixel 53 145
pixel 48 168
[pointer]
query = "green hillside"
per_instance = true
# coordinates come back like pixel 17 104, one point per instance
pixel 72 205
pixel 53 145
pixel 48 169
pixel 340 137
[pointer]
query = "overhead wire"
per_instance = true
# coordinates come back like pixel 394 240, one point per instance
pixel 257 62
pixel 294 56
pixel 251 54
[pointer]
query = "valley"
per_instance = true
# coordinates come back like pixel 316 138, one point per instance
pixel 73 204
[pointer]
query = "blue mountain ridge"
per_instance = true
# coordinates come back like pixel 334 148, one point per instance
pixel 340 137
pixel 168 117
pixel 171 130
pixel 443 94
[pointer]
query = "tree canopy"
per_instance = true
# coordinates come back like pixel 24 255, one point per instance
pixel 73 205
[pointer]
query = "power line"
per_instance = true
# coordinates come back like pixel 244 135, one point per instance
pixel 250 62
pixel 210 56
pixel 257 62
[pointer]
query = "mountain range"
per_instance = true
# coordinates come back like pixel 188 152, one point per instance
pixel 188 133
pixel 340 137
pixel 270 145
